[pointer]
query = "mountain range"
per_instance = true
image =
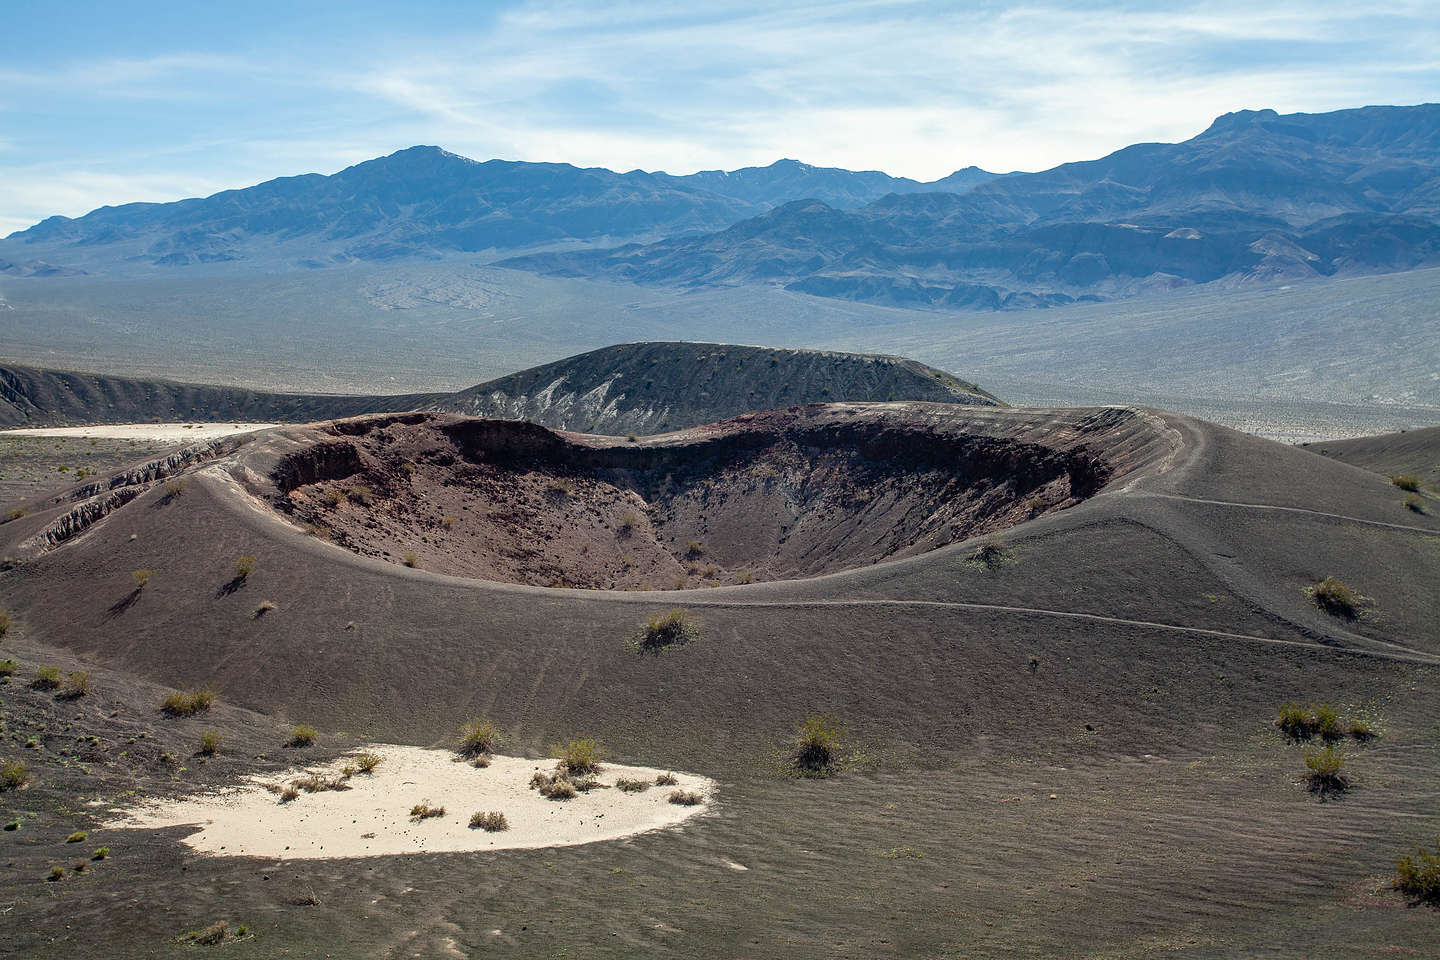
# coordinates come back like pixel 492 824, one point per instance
pixel 1256 197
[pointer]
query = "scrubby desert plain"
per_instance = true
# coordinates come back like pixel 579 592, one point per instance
pixel 1042 652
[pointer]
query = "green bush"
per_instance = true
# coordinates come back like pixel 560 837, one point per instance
pixel 188 703
pixel 1406 481
pixel 663 630
pixel 76 685
pixel 56 874
pixel 79 836
pixel 244 566
pixel 8 668
pixel 367 762
pixel 1418 874
pixel 101 853
pixel 302 735
pixel 209 742
pixel 478 737
pixel 1335 598
pixel 817 743
pixel 578 757
pixel 13 775
pixel 1327 723
pixel 46 678
pixel 492 821
pixel 1325 766
pixel 142 578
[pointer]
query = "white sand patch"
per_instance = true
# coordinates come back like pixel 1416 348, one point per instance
pixel 155 432
pixel 373 817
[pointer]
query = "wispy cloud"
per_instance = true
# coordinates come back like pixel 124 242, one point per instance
pixel 912 88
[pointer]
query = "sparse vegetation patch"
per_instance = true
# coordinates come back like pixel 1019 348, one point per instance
pixel 1406 481
pixel 817 744
pixel 662 631
pixel 1335 598
pixel 1418 873
pixel 188 703
pixel 302 735
pixel 1326 767
pixel 478 737
pixel 492 821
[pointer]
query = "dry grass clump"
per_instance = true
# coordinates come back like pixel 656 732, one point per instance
pixel 411 560
pixel 1406 481
pixel 423 811
pixel 578 757
pixel 478 737
pixel 817 745
pixel 13 775
pixel 188 703
pixel 685 798
pixel 631 786
pixel 302 735
pixel 1418 874
pixel 244 566
pixel 367 762
pixel 209 743
pixel 46 678
pixel 215 934
pixel 76 685
pixel 557 788
pixel 666 780
pixel 628 523
pixel 289 792
pixel 173 487
pixel 315 783
pixel 1335 598
pixel 1308 722
pixel 1414 504
pixel 492 821
pixel 265 607
pixel 14 514
pixel 663 630
pixel 1325 765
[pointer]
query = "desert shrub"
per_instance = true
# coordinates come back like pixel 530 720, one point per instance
pixel 266 606
pixel 56 874
pixel 685 798
pixel 1327 723
pixel 578 757
pixel 315 783
pixel 4 621
pixel 101 853
pixel 335 497
pixel 1295 721
pixel 142 578
pixel 744 576
pixel 13 775
pixel 46 678
pixel 361 495
pixel 666 780
pixel 1406 481
pixel 1414 504
pixel 423 811
pixel 559 788
pixel 1325 767
pixel 559 489
pixel 1418 874
pixel 188 703
pixel 479 736
pixel 628 523
pixel 76 685
pixel 447 522
pixel 15 514
pixel 209 743
pixel 174 487
pixel 411 560
pixel 631 437
pixel 289 792
pixel 660 631
pixel 817 744
pixel 480 761
pixel 348 771
pixel 1335 598
pixel 492 821
pixel 631 786
pixel 8 668
pixel 214 934
pixel 990 553
pixel 367 762
pixel 302 735
pixel 1363 730
pixel 693 549
pixel 244 566
pixel 79 836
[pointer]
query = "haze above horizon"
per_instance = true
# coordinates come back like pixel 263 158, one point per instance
pixel 114 103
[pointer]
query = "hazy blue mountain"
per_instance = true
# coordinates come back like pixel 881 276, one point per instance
pixel 424 202
pixel 1256 196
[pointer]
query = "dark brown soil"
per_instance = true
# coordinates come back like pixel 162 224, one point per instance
pixel 1065 748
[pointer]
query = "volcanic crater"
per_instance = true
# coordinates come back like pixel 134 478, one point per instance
pixel 784 494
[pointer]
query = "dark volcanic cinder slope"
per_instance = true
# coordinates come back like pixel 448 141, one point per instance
pixel 1407 452
pixel 634 387
pixel 1038 736
pixel 1255 197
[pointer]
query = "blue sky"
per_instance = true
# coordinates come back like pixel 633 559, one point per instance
pixel 114 102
